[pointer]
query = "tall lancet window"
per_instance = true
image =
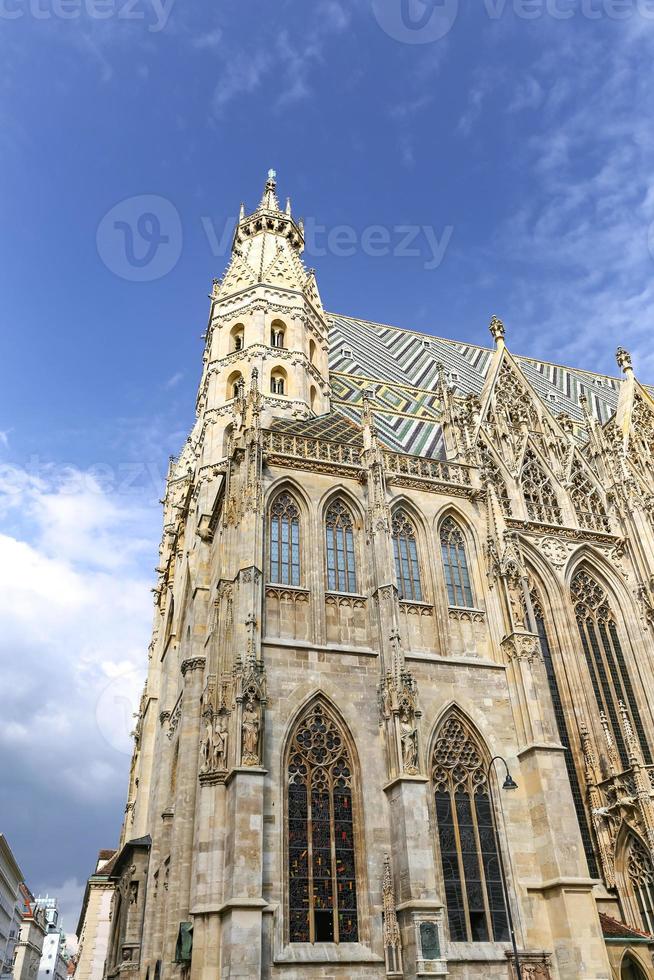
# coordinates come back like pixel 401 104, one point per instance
pixel 284 541
pixel 541 501
pixel 406 557
pixel 640 872
pixel 339 539
pixel 587 501
pixel 606 661
pixel 469 849
pixel 564 735
pixel 455 564
pixel 321 860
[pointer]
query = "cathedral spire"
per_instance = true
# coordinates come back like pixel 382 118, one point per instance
pixel 269 200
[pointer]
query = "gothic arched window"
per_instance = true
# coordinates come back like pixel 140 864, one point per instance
pixel 606 661
pixel 469 849
pixel 562 727
pixel 284 540
pixel 640 872
pixel 339 538
pixel 539 495
pixel 587 501
pixel 321 860
pixel 455 564
pixel 406 557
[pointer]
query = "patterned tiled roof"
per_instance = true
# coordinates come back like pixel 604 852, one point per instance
pixel 399 370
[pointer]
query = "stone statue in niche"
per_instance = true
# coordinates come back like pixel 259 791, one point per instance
pixel 515 593
pixel 250 728
pixel 206 744
pixel 219 759
pixel 408 737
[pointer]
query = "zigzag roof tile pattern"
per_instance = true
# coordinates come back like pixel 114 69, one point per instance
pixel 399 369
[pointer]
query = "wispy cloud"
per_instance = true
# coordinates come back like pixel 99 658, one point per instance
pixel 174 380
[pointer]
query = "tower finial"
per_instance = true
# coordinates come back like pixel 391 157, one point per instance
pixel 623 357
pixel 497 330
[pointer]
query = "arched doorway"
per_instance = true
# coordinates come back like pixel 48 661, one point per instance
pixel 631 969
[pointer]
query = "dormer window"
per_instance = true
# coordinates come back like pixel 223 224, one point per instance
pixel 346 352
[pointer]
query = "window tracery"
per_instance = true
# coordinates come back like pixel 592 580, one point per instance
pixel 491 473
pixel 540 498
pixel 339 538
pixel 321 843
pixel 640 871
pixel 587 501
pixel 406 557
pixel 455 564
pixel 284 540
pixel 469 849
pixel 606 661
pixel 513 401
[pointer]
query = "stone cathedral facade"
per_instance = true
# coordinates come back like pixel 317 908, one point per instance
pixel 388 559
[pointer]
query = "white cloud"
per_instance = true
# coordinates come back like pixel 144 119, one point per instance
pixel 174 380
pixel 76 614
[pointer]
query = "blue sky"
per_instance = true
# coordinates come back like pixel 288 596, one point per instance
pixel 513 140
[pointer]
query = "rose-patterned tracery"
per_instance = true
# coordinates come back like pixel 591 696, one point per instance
pixel 321 858
pixel 640 872
pixel 468 845
pixel 540 498
pixel 587 501
pixel 605 660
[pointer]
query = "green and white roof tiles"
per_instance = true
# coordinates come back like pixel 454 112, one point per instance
pixel 399 370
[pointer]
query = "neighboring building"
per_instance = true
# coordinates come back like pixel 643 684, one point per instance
pixel 29 948
pixel 387 559
pixel 94 920
pixel 11 878
pixel 54 959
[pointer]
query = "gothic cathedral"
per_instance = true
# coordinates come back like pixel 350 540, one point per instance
pixel 398 717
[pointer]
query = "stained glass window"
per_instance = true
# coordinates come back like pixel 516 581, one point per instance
pixel 406 557
pixel 606 661
pixel 339 535
pixel 284 538
pixel 539 494
pixel 455 564
pixel 321 858
pixel 469 850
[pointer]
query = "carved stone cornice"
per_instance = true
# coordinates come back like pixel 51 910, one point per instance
pixel 192 663
pixel 554 530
